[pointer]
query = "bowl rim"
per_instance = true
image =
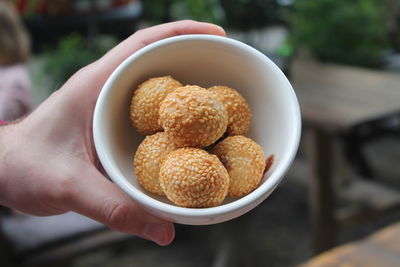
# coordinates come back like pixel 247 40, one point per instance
pixel 147 201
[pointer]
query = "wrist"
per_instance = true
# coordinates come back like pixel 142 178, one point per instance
pixel 5 149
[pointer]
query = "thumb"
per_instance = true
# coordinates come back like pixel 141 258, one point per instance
pixel 98 198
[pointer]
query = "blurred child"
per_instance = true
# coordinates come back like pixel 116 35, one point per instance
pixel 15 85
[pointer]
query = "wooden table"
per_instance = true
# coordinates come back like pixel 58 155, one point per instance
pixel 333 99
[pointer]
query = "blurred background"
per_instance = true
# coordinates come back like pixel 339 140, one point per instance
pixel 340 198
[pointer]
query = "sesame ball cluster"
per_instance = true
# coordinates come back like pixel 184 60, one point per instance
pixel 182 122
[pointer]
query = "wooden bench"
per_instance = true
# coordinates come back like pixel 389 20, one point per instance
pixel 380 249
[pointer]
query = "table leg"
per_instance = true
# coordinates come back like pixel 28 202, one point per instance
pixel 320 156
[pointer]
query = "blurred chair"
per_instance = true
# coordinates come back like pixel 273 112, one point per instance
pixel 27 240
pixel 361 135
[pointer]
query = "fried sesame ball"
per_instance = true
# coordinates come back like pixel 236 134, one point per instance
pixel 192 116
pixel 148 158
pixel 245 162
pixel 146 103
pixel 193 178
pixel 239 114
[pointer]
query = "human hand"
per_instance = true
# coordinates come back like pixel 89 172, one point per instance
pixel 48 164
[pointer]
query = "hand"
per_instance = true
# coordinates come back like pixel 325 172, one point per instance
pixel 48 164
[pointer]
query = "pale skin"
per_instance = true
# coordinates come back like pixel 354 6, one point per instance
pixel 48 164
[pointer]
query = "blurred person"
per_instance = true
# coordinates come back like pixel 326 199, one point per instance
pixel 15 85
pixel 48 163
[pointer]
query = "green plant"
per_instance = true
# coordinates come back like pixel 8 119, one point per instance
pixel 156 11
pixel 250 14
pixel 344 31
pixel 71 54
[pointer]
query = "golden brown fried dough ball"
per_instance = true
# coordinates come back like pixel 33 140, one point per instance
pixel 245 162
pixel 239 114
pixel 148 158
pixel 146 103
pixel 191 177
pixel 192 116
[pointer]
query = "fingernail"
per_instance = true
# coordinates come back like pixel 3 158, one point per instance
pixel 155 232
pixel 222 29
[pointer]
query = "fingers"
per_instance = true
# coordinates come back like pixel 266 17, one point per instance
pixel 149 35
pixel 101 200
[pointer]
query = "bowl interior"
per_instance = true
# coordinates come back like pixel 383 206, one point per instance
pixel 205 62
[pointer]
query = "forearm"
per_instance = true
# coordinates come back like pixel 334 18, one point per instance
pixel 26 182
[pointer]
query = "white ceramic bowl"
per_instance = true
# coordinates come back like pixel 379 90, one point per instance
pixel 203 60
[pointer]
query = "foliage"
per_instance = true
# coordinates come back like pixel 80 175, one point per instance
pixel 249 14
pixel 70 55
pixel 157 11
pixel 343 31
pixel 241 14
